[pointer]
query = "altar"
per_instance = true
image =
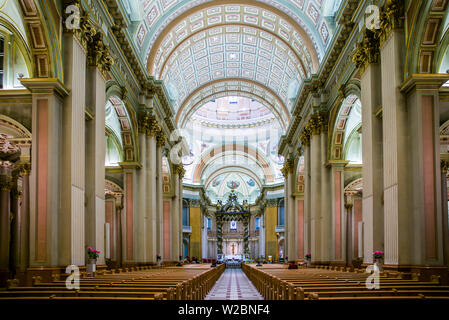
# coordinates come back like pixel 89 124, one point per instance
pixel 232 228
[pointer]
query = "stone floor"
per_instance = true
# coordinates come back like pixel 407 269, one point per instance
pixel 233 285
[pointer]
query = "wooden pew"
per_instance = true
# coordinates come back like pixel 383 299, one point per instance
pixel 137 283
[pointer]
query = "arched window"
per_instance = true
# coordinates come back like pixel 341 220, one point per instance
pixel 2 60
pixel 185 213
pixel 281 214
pixel 14 63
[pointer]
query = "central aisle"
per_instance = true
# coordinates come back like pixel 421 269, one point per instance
pixel 233 285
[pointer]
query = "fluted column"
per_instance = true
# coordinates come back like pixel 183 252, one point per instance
pixel 22 253
pixel 326 198
pixel 315 188
pixel 6 184
pixel 118 229
pixel 159 194
pixel 151 192
pixel 444 209
pixel 178 173
pixel 427 216
pixel 45 179
pixel 130 213
pixel 339 226
pixel 349 230
pixel 289 207
pixel 367 58
pixel 71 218
pixel 307 195
pixel 95 163
pixel 141 193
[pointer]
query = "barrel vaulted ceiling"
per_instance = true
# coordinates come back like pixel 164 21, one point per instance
pixel 207 50
pixel 191 43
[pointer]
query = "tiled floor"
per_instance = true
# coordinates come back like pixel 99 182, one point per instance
pixel 234 285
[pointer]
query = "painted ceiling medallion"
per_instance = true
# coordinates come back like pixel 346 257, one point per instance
pixel 233 184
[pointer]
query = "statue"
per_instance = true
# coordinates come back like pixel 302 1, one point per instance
pixel 245 205
pixel 219 204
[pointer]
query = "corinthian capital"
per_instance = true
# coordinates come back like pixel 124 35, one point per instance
pixel 367 50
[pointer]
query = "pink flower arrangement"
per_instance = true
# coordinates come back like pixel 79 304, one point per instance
pixel 308 256
pixel 93 254
pixel 378 255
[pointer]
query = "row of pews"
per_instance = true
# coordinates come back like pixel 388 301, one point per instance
pixel 191 282
pixel 276 282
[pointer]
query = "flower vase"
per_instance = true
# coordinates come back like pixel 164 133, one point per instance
pixel 308 263
pixel 91 266
pixel 379 264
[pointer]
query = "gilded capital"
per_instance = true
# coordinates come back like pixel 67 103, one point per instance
pixel 179 169
pixel 25 169
pixel 6 183
pixel 391 18
pixel 154 128
pixel 304 137
pixel 161 139
pixel 444 166
pixel 367 50
pixel 143 122
pixel 98 54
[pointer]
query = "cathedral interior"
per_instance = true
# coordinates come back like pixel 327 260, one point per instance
pixel 178 134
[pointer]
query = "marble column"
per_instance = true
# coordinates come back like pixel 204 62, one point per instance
pixel 339 226
pixel 372 168
pixel 159 194
pixel 291 250
pixel 22 253
pixel 367 59
pixel 151 193
pixel 71 218
pixel 426 218
pixel 444 208
pixel 300 249
pixel 396 164
pixel 15 212
pixel 176 207
pixel 130 212
pixel 45 179
pixel 6 184
pixel 262 236
pixel 307 197
pixel 349 230
pixel 316 199
pixel 95 161
pixel 326 199
pixel 139 220
pixel 118 229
